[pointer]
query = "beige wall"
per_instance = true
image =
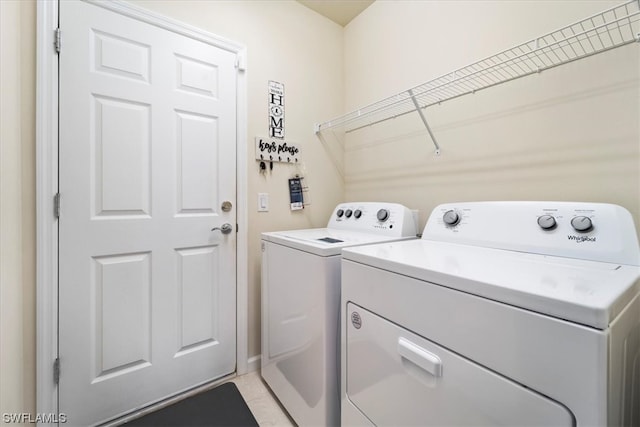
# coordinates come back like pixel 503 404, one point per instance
pixel 285 41
pixel 17 206
pixel 569 133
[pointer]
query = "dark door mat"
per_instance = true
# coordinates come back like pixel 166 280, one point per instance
pixel 218 407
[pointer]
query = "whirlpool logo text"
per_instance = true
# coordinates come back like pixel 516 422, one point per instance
pixel 581 239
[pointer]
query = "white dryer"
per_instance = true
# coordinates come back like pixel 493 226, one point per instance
pixel 504 313
pixel 300 304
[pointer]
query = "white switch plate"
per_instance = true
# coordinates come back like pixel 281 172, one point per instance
pixel 263 202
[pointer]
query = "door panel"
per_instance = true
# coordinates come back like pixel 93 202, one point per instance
pixel 197 160
pixel 121 157
pixel 198 290
pixel 122 303
pixel 147 156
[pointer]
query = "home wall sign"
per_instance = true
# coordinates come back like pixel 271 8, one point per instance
pixel 276 110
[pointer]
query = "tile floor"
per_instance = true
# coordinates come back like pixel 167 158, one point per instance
pixel 264 406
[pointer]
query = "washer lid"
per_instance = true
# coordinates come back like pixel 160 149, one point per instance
pixel 586 292
pixel 325 241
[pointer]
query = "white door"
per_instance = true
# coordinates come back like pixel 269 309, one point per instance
pixel 147 294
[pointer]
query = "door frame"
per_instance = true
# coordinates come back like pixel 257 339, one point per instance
pixel 47 186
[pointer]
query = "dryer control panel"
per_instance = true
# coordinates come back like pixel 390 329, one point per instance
pixel 591 231
pixel 388 219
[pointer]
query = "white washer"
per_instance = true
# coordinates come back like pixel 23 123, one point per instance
pixel 300 304
pixel 504 313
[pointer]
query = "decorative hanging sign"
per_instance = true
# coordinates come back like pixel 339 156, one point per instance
pixel 276 110
pixel 275 150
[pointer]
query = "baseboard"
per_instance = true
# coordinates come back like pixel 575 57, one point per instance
pixel 253 364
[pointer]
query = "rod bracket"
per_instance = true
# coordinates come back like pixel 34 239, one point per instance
pixel 424 120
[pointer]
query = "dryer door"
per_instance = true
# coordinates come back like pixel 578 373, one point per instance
pixel 395 377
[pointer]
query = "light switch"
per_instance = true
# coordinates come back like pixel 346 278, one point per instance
pixel 263 202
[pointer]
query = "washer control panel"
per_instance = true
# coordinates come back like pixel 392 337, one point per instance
pixel 390 219
pixel 593 231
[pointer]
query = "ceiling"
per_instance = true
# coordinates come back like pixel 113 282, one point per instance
pixel 339 11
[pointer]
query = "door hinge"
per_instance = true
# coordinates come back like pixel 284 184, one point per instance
pixel 57 42
pixel 56 371
pixel 56 205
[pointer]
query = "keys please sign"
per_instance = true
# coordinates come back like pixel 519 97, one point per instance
pixel 276 150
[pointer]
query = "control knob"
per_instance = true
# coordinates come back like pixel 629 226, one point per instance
pixel 547 222
pixel 383 215
pixel 582 224
pixel 451 218
pixel 357 214
pixel 348 213
pixel 339 213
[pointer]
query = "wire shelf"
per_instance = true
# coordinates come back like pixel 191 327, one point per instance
pixel 612 28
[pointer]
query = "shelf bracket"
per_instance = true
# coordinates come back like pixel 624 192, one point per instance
pixel 424 120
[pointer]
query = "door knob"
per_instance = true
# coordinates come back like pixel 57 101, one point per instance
pixel 225 229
